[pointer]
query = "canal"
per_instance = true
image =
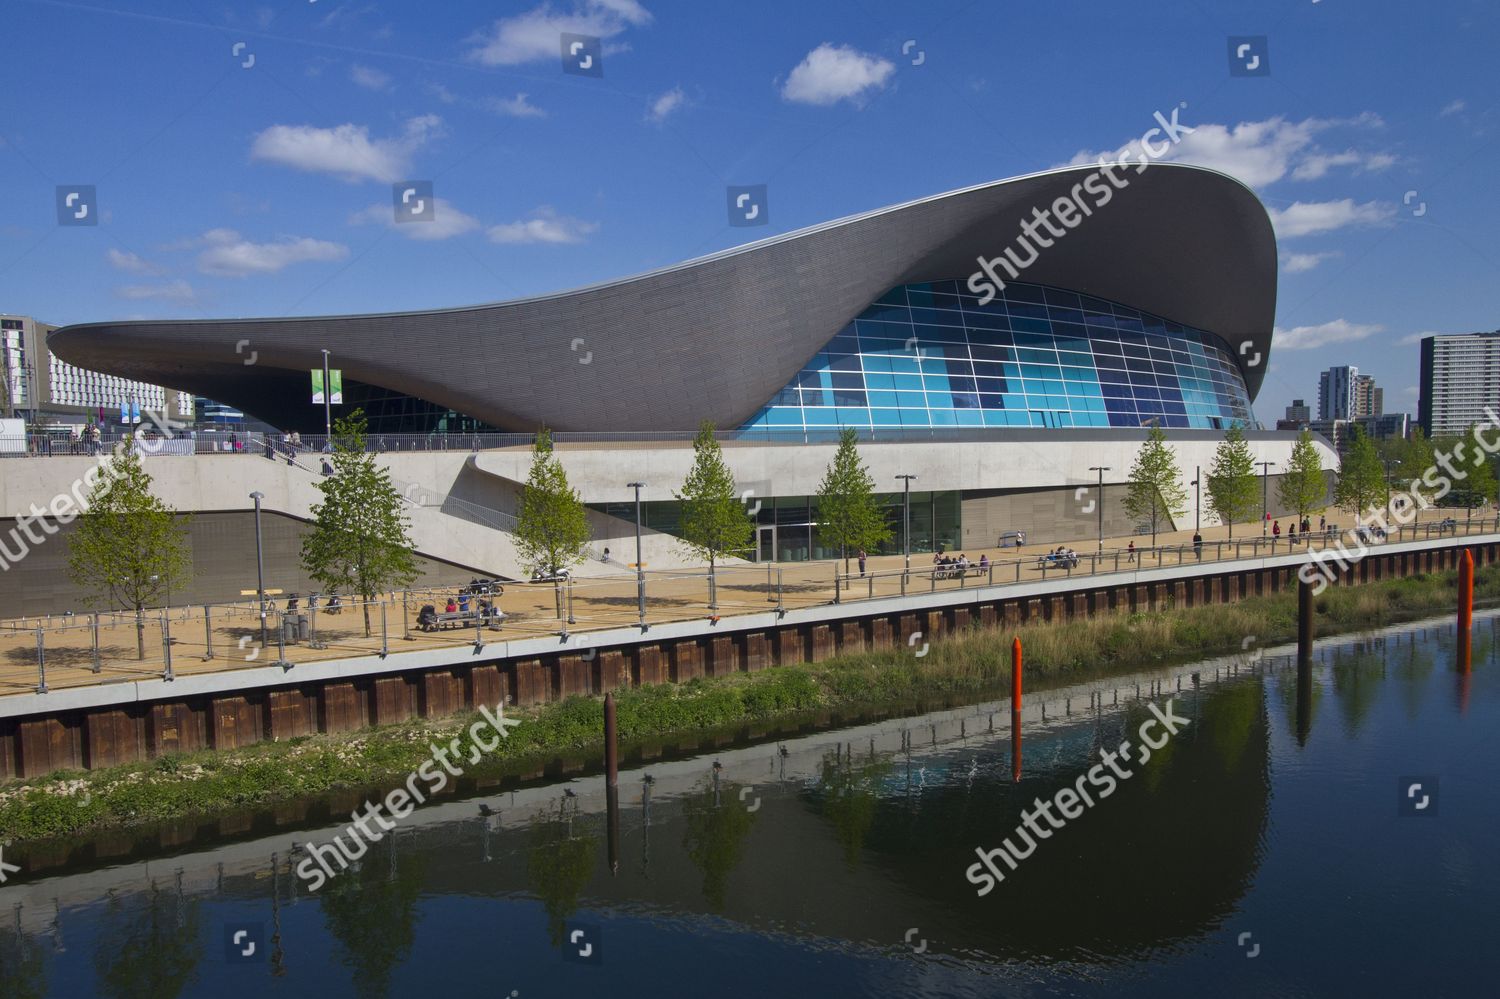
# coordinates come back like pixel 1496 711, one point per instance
pixel 1343 846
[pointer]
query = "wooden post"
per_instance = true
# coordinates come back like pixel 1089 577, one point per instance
pixel 611 743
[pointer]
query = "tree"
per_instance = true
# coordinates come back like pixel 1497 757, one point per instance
pixel 552 526
pixel 1477 487
pixel 359 541
pixel 1231 478
pixel 1303 487
pixel 1361 481
pixel 714 521
pixel 129 547
pixel 1156 491
pixel 848 514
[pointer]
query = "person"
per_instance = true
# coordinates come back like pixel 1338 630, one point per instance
pixel 606 554
pixel 327 468
pixel 1291 538
pixel 452 607
pixel 984 561
pixel 427 618
pixel 1322 524
pixel 1276 529
pixel 463 602
pixel 1198 545
pixel 862 559
pixel 334 606
pixel 291 604
pixel 1130 552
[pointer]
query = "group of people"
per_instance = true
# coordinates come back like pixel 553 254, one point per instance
pixel 480 599
pixel 1062 557
pixel 956 566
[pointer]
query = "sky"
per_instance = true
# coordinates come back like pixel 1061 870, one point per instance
pixel 246 158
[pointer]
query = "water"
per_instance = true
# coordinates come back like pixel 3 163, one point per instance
pixel 1240 860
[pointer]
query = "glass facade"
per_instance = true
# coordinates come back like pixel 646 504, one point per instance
pixel 929 355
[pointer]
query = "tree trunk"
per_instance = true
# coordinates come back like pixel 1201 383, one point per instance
pixel 140 632
pixel 713 586
pixel 557 595
pixel 366 602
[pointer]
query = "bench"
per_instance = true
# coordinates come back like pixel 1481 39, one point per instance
pixel 442 620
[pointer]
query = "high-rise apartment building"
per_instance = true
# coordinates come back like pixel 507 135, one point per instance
pixel 1336 393
pixel 1460 377
pixel 1369 399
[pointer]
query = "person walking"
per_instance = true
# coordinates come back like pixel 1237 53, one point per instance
pixel 1276 529
pixel 1130 550
pixel 862 559
pixel 1198 545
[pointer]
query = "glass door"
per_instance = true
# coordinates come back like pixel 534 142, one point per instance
pixel 765 543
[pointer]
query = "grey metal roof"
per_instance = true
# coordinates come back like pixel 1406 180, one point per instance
pixel 714 338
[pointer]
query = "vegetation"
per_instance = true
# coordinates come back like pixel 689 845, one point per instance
pixel 1231 479
pixel 359 541
pixel 848 514
pixel 971 664
pixel 714 521
pixel 552 526
pixel 1361 482
pixel 1302 487
pixel 1156 494
pixel 129 549
pixel 1477 487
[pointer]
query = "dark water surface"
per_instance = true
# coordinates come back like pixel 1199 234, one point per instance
pixel 1241 860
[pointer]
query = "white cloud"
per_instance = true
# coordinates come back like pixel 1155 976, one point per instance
pixel 1413 339
pixel 664 105
pixel 1259 152
pixel 1309 337
pixel 228 254
pixel 1297 263
pixel 171 291
pixel 833 73
pixel 534 36
pixel 1411 390
pixel 131 263
pixel 345 151
pixel 518 106
pixel 447 221
pixel 1453 108
pixel 1305 218
pixel 544 226
pixel 369 77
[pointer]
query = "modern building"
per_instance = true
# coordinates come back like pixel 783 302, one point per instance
pixel 1386 426
pixel 1460 377
pixel 1004 398
pixel 1336 393
pixel 1369 398
pixel 43 388
pixel 1298 416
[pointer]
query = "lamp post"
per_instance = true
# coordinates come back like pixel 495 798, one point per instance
pixel 166 626
pixel 1198 495
pixel 640 574
pixel 1265 468
pixel 327 400
pixel 906 519
pixel 1101 469
pixel 260 568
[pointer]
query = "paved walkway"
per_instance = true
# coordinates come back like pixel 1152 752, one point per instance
pixel 75 651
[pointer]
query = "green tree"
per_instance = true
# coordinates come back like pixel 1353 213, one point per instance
pixel 1231 479
pixel 371 914
pixel 848 514
pixel 552 526
pixel 714 521
pixel 148 947
pixel 129 547
pixel 1361 481
pixel 1477 487
pixel 1156 493
pixel 359 541
pixel 1303 487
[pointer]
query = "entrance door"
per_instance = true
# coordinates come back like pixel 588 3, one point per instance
pixel 765 543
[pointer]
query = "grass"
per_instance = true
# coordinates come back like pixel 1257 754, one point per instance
pixel 974 662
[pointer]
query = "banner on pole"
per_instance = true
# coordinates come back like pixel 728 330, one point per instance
pixel 336 382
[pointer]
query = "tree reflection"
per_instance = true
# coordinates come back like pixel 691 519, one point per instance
pixel 558 866
pixel 1356 683
pixel 1286 693
pixel 716 823
pixel 849 794
pixel 371 910
pixel 147 946
pixel 1413 667
pixel 23 975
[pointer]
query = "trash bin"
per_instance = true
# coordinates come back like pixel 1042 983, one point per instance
pixel 303 631
pixel 289 630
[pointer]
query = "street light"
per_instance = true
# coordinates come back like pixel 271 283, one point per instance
pixel 1101 469
pixel 906 519
pixel 166 626
pixel 260 568
pixel 640 574
pixel 1265 514
pixel 1197 495
pixel 327 400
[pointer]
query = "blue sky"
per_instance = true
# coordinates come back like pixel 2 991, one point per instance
pixel 227 189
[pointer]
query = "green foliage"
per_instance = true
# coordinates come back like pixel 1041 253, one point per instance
pixel 558 866
pixel 715 824
pixel 1302 487
pixel 849 516
pixel 358 542
pixel 1477 485
pixel 1156 494
pixel 1361 483
pixel 552 529
pixel 714 521
pixel 1232 489
pixel 371 914
pixel 147 946
pixel 129 549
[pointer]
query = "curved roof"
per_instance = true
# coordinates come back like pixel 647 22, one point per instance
pixel 714 338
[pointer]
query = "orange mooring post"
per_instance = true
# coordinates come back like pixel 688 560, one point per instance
pixel 1015 711
pixel 1465 608
pixel 1015 674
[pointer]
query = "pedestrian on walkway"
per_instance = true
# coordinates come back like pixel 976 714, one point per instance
pixel 862 558
pixel 1130 548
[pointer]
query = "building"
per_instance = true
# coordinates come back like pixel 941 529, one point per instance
pixel 1369 399
pixel 1460 377
pixel 1386 426
pixel 1298 416
pixel 1004 398
pixel 1336 393
pixel 37 384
